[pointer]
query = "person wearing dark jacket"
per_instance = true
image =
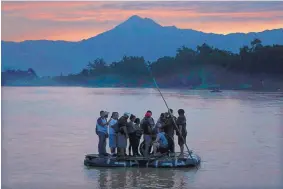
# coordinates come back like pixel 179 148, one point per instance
pixel 132 134
pixel 139 133
pixel 169 126
pixel 147 125
pixel 182 134
pixel 122 134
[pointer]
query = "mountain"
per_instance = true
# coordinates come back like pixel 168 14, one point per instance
pixel 135 37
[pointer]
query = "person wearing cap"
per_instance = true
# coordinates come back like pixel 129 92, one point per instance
pixel 122 135
pixel 102 127
pixel 147 125
pixel 182 130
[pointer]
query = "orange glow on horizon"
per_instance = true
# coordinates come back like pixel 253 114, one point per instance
pixel 74 21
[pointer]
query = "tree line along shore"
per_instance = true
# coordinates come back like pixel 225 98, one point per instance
pixel 254 67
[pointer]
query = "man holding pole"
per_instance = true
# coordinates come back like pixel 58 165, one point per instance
pixel 182 130
pixel 169 126
pixel 168 108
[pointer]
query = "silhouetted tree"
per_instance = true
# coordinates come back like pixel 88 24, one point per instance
pixel 257 59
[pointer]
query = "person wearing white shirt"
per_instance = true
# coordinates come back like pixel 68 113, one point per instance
pixel 112 133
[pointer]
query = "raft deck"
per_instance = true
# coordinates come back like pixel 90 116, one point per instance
pixel 171 160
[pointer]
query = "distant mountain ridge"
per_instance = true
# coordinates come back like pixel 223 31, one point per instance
pixel 135 37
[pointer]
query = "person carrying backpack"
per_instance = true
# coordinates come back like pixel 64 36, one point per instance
pixel 147 125
pixel 122 135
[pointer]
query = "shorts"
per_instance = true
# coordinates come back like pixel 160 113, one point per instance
pixel 147 139
pixel 112 140
pixel 121 141
pixel 180 141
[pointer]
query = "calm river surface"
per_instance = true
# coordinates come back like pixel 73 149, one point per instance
pixel 46 131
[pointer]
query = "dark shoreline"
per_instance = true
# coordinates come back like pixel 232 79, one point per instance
pixel 153 87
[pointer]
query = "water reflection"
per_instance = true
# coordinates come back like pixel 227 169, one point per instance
pixel 140 177
pixel 47 131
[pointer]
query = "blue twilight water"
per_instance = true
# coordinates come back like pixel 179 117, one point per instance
pixel 47 131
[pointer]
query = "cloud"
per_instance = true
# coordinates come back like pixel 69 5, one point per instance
pixel 32 20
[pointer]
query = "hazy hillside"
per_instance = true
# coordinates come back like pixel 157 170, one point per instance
pixel 134 37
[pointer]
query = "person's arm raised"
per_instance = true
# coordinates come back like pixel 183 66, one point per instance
pixel 103 124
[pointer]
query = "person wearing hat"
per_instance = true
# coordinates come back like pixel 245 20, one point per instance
pixel 102 132
pixel 147 125
pixel 122 135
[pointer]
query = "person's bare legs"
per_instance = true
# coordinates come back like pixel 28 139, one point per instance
pixel 130 149
pixel 182 150
pixel 155 146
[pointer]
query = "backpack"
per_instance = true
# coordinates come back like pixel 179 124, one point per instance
pixel 144 126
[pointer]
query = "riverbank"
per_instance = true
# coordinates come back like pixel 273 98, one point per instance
pixel 244 87
pixel 205 78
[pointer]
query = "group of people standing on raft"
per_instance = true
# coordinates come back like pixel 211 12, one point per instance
pixel 119 130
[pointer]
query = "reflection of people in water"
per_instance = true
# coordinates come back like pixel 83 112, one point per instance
pixel 140 178
pixel 152 178
pixel 111 178
pixel 102 178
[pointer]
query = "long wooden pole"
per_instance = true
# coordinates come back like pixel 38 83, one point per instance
pixel 169 111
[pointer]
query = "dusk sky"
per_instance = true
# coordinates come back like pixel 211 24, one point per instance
pixel 74 21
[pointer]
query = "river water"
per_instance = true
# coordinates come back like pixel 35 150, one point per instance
pixel 46 131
